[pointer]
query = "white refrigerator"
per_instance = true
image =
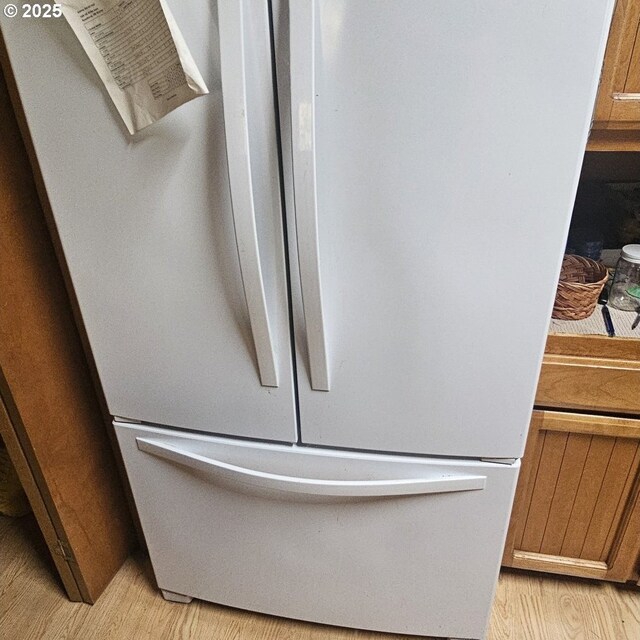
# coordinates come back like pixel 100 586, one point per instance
pixel 317 298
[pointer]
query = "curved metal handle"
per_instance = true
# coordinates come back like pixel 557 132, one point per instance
pixel 302 65
pixel 233 474
pixel 234 98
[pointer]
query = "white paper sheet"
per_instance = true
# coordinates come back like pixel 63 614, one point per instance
pixel 140 55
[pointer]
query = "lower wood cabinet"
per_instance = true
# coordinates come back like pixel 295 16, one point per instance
pixel 577 506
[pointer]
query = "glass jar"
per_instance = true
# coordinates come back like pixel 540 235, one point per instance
pixel 625 290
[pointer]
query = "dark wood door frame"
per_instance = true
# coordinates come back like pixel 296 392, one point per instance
pixel 51 414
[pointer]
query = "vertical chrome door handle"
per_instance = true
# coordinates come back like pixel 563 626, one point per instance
pixel 234 98
pixel 302 66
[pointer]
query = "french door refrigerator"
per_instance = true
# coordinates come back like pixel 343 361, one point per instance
pixel 317 298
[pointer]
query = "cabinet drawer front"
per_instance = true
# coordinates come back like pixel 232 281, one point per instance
pixel 392 543
pixel 588 383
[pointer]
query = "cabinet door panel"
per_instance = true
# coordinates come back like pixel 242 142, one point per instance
pixel 592 477
pixel 564 493
pixel 548 472
pixel 615 489
pixel 579 516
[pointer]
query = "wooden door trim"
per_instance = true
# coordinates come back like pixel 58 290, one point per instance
pixel 52 403
pixel 626 549
pixel 40 503
pixel 559 564
pixel 591 425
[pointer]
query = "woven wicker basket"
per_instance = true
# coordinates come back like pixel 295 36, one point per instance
pixel 581 281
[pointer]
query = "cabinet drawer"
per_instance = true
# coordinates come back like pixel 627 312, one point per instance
pixel 596 384
pixel 393 543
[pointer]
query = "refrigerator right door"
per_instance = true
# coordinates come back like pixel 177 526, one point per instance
pixel 435 149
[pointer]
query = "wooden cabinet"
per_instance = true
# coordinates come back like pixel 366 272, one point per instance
pixel 616 125
pixel 577 505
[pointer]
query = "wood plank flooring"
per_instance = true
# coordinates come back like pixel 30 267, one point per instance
pixel 34 607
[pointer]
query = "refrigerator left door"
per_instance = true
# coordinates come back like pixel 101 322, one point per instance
pixel 147 230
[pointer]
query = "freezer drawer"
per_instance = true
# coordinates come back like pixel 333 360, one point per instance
pixel 401 544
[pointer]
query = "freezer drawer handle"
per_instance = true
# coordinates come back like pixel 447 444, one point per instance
pixel 234 98
pixel 438 482
pixel 302 63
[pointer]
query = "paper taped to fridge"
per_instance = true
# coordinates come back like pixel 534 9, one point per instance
pixel 139 54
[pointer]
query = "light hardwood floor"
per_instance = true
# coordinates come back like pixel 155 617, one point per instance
pixel 33 606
